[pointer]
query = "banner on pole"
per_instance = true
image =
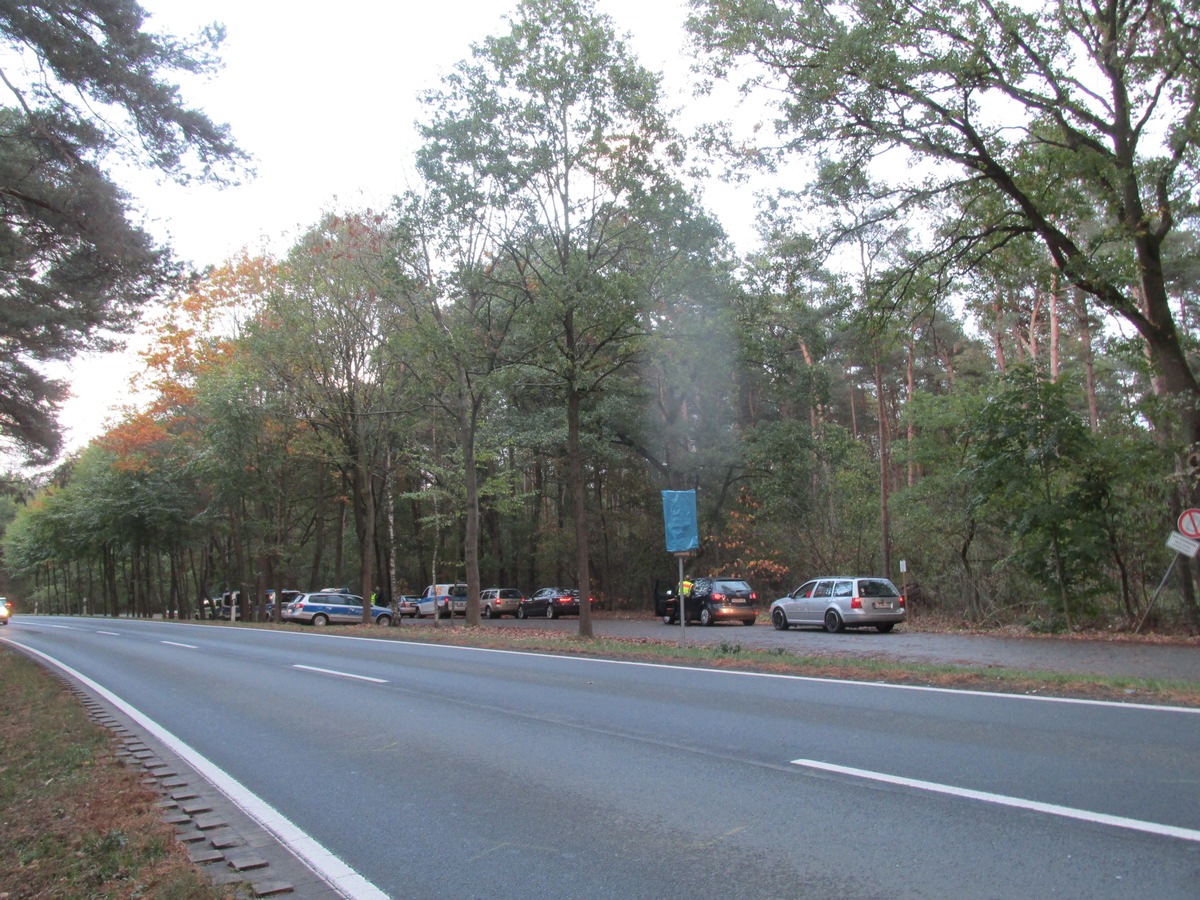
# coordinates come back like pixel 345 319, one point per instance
pixel 679 517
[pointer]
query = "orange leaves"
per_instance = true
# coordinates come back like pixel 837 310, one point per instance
pixel 136 442
pixel 742 550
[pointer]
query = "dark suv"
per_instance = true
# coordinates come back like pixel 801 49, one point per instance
pixel 712 600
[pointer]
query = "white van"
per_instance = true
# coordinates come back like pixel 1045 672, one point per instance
pixel 444 599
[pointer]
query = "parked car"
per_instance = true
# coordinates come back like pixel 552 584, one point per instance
pixel 320 609
pixel 444 599
pixel 407 606
pixel 551 602
pixel 497 602
pixel 713 600
pixel 285 597
pixel 5 610
pixel 839 603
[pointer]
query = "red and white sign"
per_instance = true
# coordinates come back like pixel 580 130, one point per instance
pixel 1189 523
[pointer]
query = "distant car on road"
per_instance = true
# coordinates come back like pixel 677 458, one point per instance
pixel 497 602
pixel 839 603
pixel 407 606
pixel 320 609
pixel 5 610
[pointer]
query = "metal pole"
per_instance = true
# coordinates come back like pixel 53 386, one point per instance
pixel 682 611
pixel 1157 591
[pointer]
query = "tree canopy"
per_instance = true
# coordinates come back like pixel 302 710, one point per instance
pixel 87 85
pixel 1075 123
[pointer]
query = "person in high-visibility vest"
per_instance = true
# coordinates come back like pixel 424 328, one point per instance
pixel 685 591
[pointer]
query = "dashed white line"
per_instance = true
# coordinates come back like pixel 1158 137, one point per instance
pixel 1053 809
pixel 341 674
pixel 177 644
pixel 112 633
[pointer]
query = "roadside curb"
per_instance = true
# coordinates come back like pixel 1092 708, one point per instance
pixel 226 845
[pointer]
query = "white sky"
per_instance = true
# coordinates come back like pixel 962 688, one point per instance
pixel 324 98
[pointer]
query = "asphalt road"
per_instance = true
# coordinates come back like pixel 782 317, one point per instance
pixel 444 772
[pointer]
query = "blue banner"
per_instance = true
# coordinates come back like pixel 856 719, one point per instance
pixel 679 517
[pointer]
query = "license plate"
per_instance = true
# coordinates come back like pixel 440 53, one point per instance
pixel 883 606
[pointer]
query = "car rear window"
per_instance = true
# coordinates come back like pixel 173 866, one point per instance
pixel 877 587
pixel 510 594
pixel 731 587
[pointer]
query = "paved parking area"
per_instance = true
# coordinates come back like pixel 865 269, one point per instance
pixel 1116 658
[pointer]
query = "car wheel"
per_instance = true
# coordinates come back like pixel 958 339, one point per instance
pixel 668 620
pixel 885 627
pixel 384 620
pixel 487 612
pixel 418 615
pixel 706 616
pixel 320 621
pixel 779 619
pixel 833 622
pixel 520 612
pixel 551 612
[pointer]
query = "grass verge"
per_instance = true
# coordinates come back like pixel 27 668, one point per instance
pixel 75 821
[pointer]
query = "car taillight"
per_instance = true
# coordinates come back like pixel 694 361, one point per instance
pixel 900 602
pixel 720 598
pixel 856 603
pixel 753 597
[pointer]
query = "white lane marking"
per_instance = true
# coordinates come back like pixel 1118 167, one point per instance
pixel 1053 809
pixel 113 633
pixel 341 674
pixel 328 867
pixel 177 644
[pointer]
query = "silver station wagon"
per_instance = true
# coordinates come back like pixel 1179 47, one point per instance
pixel 840 603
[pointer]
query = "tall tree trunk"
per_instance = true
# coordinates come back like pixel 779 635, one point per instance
pixel 389 495
pixel 1089 360
pixel 885 538
pixel 578 497
pixel 1055 293
pixel 318 531
pixel 466 433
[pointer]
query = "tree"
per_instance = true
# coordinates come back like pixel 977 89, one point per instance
pixel 1075 123
pixel 1034 465
pixel 322 335
pixel 87 85
pixel 556 130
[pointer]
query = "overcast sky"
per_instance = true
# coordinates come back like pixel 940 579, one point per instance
pixel 324 98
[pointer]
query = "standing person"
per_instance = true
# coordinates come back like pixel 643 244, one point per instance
pixel 685 591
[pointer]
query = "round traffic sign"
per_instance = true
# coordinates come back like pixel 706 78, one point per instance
pixel 1189 523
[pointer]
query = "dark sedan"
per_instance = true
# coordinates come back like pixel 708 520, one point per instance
pixel 550 602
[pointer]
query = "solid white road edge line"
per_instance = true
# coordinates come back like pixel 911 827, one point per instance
pixel 340 674
pixel 1186 834
pixel 332 870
